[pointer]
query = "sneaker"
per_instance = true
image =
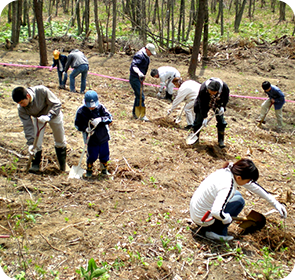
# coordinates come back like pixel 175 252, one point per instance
pixel 214 236
pixel 144 118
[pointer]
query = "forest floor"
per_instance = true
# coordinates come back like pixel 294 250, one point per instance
pixel 136 222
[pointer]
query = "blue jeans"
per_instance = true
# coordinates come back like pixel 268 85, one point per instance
pixel 135 84
pixel 233 207
pixel 101 151
pixel 62 81
pixel 83 70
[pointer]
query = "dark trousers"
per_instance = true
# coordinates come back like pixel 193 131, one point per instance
pixel 135 84
pixel 221 123
pixel 101 151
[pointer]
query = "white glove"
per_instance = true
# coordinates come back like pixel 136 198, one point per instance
pixel 50 69
pixel 221 111
pixel 205 122
pixel 89 131
pixel 159 94
pixel 169 111
pixel 44 118
pixel 227 219
pixel 96 121
pixel 31 150
pixel 282 210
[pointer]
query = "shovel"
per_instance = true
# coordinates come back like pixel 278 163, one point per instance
pixel 34 146
pixel 140 110
pixel 178 118
pixel 77 172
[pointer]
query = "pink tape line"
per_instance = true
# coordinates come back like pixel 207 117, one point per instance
pixel 125 80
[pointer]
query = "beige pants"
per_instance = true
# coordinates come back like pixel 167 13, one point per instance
pixel 57 127
pixel 189 112
pixel 279 113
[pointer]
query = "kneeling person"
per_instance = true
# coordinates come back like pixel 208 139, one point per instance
pixel 93 118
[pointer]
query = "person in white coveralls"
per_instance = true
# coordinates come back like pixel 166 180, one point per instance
pixel 166 75
pixel 188 92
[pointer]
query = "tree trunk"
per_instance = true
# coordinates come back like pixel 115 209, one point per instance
pixel 206 29
pixel 99 35
pixel 197 39
pixel 239 14
pixel 191 16
pixel 16 21
pixel 282 11
pixel 221 17
pixel 86 16
pixel 114 26
pixel 38 5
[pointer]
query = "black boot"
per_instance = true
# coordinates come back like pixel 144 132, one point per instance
pixel 36 163
pixel 61 154
pixel 89 170
pixel 221 139
pixel 168 96
pixel 104 168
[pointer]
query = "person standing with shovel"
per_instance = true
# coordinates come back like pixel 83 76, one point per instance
pixel 213 94
pixel 188 92
pixel 218 194
pixel 36 107
pixel 138 69
pixel 277 98
pixel 93 118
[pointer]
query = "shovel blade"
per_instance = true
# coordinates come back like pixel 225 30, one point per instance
pixel 192 139
pixel 76 172
pixel 140 111
pixel 255 221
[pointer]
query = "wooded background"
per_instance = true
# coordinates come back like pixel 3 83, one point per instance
pixel 166 23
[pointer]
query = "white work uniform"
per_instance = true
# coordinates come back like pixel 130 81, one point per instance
pixel 166 75
pixel 188 92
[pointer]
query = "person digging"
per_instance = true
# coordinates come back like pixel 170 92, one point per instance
pixel 213 94
pixel 95 114
pixel 37 106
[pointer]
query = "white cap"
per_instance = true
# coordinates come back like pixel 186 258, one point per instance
pixel 151 47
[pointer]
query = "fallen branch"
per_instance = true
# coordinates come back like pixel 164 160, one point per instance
pixel 14 153
pixel 50 244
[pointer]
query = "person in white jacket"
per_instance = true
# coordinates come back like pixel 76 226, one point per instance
pixel 166 75
pixel 188 92
pixel 218 194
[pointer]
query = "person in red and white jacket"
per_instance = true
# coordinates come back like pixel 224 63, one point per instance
pixel 218 193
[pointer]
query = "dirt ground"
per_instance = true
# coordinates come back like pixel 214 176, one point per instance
pixel 136 221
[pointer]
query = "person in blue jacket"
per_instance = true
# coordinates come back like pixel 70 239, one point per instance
pixel 138 69
pixel 60 60
pixel 92 117
pixel 277 98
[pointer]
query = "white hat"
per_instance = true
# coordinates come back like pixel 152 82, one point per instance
pixel 151 47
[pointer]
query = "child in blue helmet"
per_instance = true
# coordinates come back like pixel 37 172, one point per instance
pixel 92 117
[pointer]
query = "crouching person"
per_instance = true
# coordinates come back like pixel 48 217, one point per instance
pixel 218 194
pixel 36 107
pixel 92 119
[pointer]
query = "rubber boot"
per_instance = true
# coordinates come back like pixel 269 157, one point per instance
pixel 221 139
pixel 104 168
pixel 89 170
pixel 168 96
pixel 36 162
pixel 61 154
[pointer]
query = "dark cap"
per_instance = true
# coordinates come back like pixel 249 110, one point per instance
pixel 214 86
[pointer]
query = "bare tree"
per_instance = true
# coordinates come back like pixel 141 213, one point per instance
pixel 97 25
pixel 239 14
pixel 38 5
pixel 197 40
pixel 16 22
pixel 114 26
pixel 282 11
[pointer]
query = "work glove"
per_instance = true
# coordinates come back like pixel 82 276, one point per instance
pixel 205 122
pixel 31 150
pixel 89 131
pixel 169 111
pixel 96 121
pixel 282 210
pixel 141 76
pixel 50 69
pixel 221 111
pixel 44 118
pixel 227 219
pixel 159 94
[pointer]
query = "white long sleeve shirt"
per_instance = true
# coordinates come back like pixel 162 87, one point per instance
pixel 187 92
pixel 214 193
pixel 167 73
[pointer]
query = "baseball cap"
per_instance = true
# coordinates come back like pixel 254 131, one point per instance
pixel 56 54
pixel 91 99
pixel 151 47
